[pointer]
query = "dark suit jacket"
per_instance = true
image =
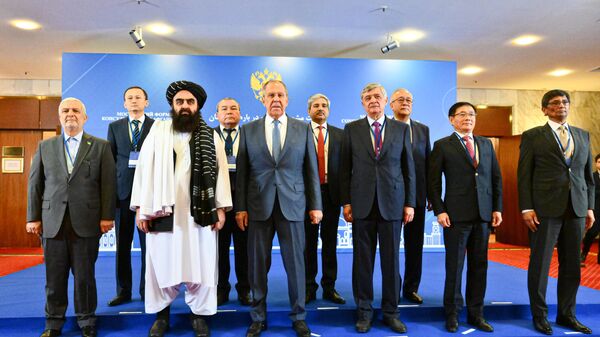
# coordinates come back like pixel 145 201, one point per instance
pixel 120 144
pixel 597 194
pixel 392 175
pixel 545 180
pixel 294 178
pixel 471 193
pixel 421 152
pixel 334 152
pixel 89 191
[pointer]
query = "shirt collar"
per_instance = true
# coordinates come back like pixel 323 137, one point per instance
pixel 269 120
pixel 316 125
pixel 141 119
pixel 77 136
pixel 236 128
pixel 555 125
pixel 380 120
pixel 461 135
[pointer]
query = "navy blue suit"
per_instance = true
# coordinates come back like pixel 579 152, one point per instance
pixel 121 145
pixel 472 194
pixel 378 189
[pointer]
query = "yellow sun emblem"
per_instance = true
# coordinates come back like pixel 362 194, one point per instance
pixel 258 78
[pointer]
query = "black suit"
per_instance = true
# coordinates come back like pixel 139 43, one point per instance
pixel 415 230
pixel 70 207
pixel 378 189
pixel 591 233
pixel 473 192
pixel 560 194
pixel 121 145
pixel 240 241
pixel 330 196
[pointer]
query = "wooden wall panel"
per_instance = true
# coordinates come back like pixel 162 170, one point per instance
pixel 49 113
pixel 512 230
pixel 494 121
pixel 19 113
pixel 13 198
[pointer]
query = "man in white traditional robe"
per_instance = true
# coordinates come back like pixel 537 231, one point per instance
pixel 181 192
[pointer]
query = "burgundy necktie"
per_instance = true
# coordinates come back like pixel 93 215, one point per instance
pixel 377 134
pixel 321 155
pixel 470 149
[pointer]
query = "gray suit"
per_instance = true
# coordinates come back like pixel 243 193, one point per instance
pixel 70 207
pixel 276 196
pixel 561 194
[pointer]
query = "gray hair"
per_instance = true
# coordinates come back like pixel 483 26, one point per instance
pixel 73 99
pixel 372 86
pixel 315 97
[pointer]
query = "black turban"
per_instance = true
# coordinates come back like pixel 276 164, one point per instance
pixel 192 87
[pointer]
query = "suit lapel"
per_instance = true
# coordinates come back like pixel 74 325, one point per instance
pixel 59 148
pixel 390 135
pixel 262 139
pixel 291 128
pixel 84 147
pixel 365 137
pixel 480 150
pixel 552 142
pixel 458 146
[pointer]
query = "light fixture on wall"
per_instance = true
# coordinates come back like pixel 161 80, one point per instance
pixel 389 45
pixel 136 36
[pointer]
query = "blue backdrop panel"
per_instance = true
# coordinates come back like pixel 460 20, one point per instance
pixel 100 79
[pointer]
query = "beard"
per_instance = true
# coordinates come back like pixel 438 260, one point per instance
pixel 187 122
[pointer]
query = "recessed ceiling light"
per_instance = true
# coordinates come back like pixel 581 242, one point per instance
pixel 408 35
pixel 560 72
pixel 525 40
pixel 160 28
pixel 470 70
pixel 288 31
pixel 25 24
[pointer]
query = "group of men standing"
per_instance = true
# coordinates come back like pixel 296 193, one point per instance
pixel 278 175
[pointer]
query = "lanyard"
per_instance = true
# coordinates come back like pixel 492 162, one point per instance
pixel 380 130
pixel 237 133
pixel 563 150
pixel 135 140
pixel 317 137
pixel 69 152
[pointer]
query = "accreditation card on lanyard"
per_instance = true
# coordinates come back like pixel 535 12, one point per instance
pixel 134 154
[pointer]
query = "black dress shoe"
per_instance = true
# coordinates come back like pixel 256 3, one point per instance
pixel 89 331
pixel 301 329
pixel 481 324
pixel 310 296
pixel 256 328
pixel 159 328
pixel 542 325
pixel 573 324
pixel 245 298
pixel 50 333
pixel 452 323
pixel 333 296
pixel 413 297
pixel 363 325
pixel 222 298
pixel 395 324
pixel 200 327
pixel 118 300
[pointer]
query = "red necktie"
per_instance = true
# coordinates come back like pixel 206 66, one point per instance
pixel 470 149
pixel 321 155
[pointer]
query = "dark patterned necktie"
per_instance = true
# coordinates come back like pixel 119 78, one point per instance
pixel 136 133
pixel 229 142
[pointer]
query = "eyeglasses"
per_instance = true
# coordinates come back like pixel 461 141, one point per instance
pixel 465 114
pixel 401 100
pixel 557 103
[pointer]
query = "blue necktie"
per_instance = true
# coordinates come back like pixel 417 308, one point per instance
pixel 276 149
pixel 136 134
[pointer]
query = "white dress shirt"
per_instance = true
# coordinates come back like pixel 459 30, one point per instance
pixel 269 131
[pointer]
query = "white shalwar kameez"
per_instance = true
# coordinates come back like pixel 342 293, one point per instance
pixel 188 254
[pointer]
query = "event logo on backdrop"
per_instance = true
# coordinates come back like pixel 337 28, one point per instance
pixel 100 79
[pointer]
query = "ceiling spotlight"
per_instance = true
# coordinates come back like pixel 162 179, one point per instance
pixel 136 36
pixel 470 70
pixel 560 72
pixel 25 24
pixel 389 45
pixel 525 40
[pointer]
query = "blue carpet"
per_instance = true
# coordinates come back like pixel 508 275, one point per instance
pixel 22 305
